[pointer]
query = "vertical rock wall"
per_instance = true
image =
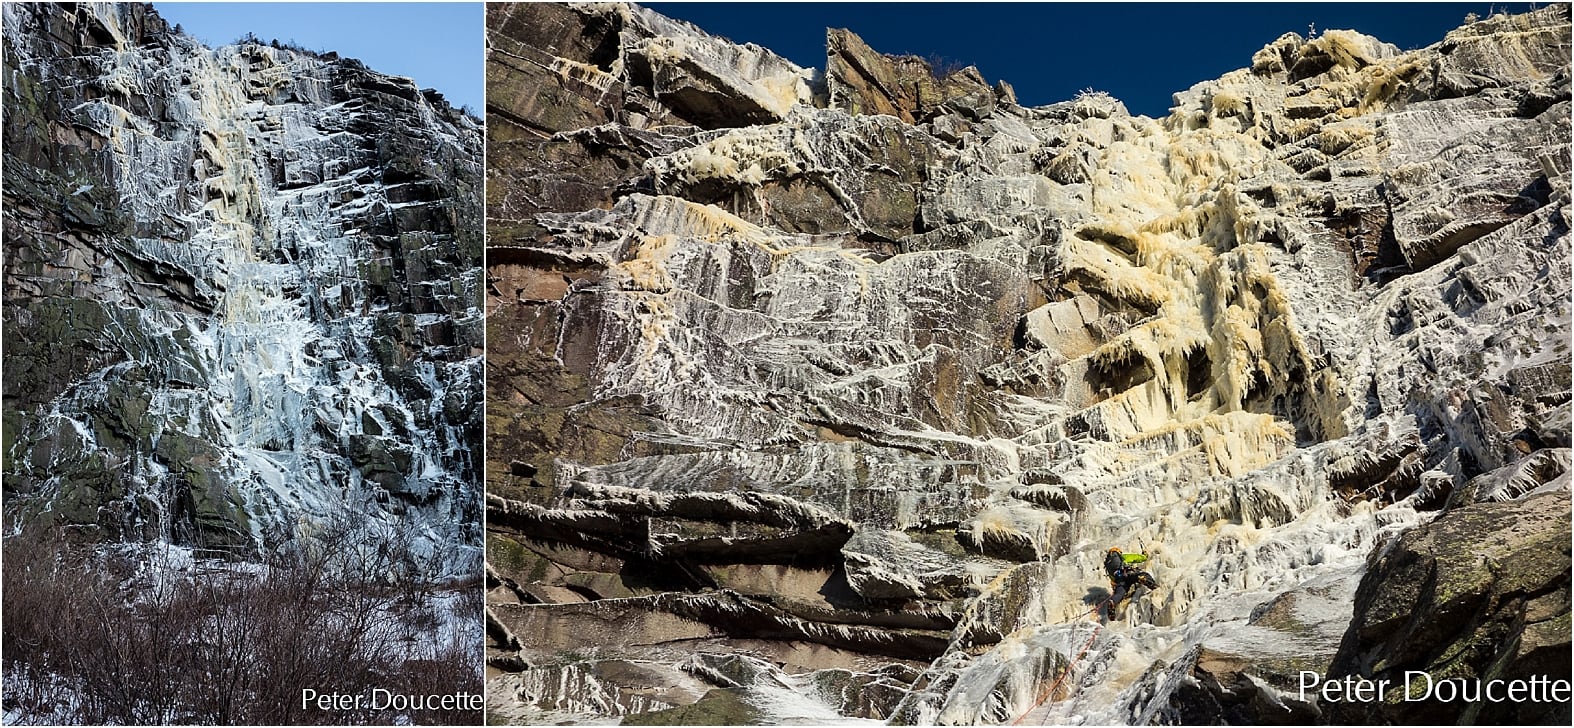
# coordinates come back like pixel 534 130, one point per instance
pixel 834 403
pixel 242 293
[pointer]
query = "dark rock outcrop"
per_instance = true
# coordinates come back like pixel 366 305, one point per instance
pixel 864 81
pixel 1479 595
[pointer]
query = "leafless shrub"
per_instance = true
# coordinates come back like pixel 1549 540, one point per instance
pixel 226 644
pixel 941 67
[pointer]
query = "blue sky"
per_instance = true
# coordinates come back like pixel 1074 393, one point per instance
pixel 1140 53
pixel 440 45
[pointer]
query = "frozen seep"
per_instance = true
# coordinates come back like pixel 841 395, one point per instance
pixel 288 294
pixel 863 390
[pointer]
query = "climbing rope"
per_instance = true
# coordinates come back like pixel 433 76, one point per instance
pixel 1044 697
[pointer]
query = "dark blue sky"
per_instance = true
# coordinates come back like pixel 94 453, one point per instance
pixel 1140 53
pixel 440 45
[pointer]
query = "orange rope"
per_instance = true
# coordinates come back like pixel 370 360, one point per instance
pixel 1064 673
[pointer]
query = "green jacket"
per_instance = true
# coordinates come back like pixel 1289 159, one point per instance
pixel 1116 568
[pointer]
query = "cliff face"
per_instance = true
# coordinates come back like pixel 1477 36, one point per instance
pixel 831 389
pixel 242 293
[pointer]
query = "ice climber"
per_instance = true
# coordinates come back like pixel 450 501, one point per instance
pixel 1124 574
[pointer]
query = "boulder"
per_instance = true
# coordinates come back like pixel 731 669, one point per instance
pixel 1480 594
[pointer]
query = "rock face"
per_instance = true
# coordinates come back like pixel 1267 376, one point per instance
pixel 863 81
pixel 1496 612
pixel 242 293
pixel 835 404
